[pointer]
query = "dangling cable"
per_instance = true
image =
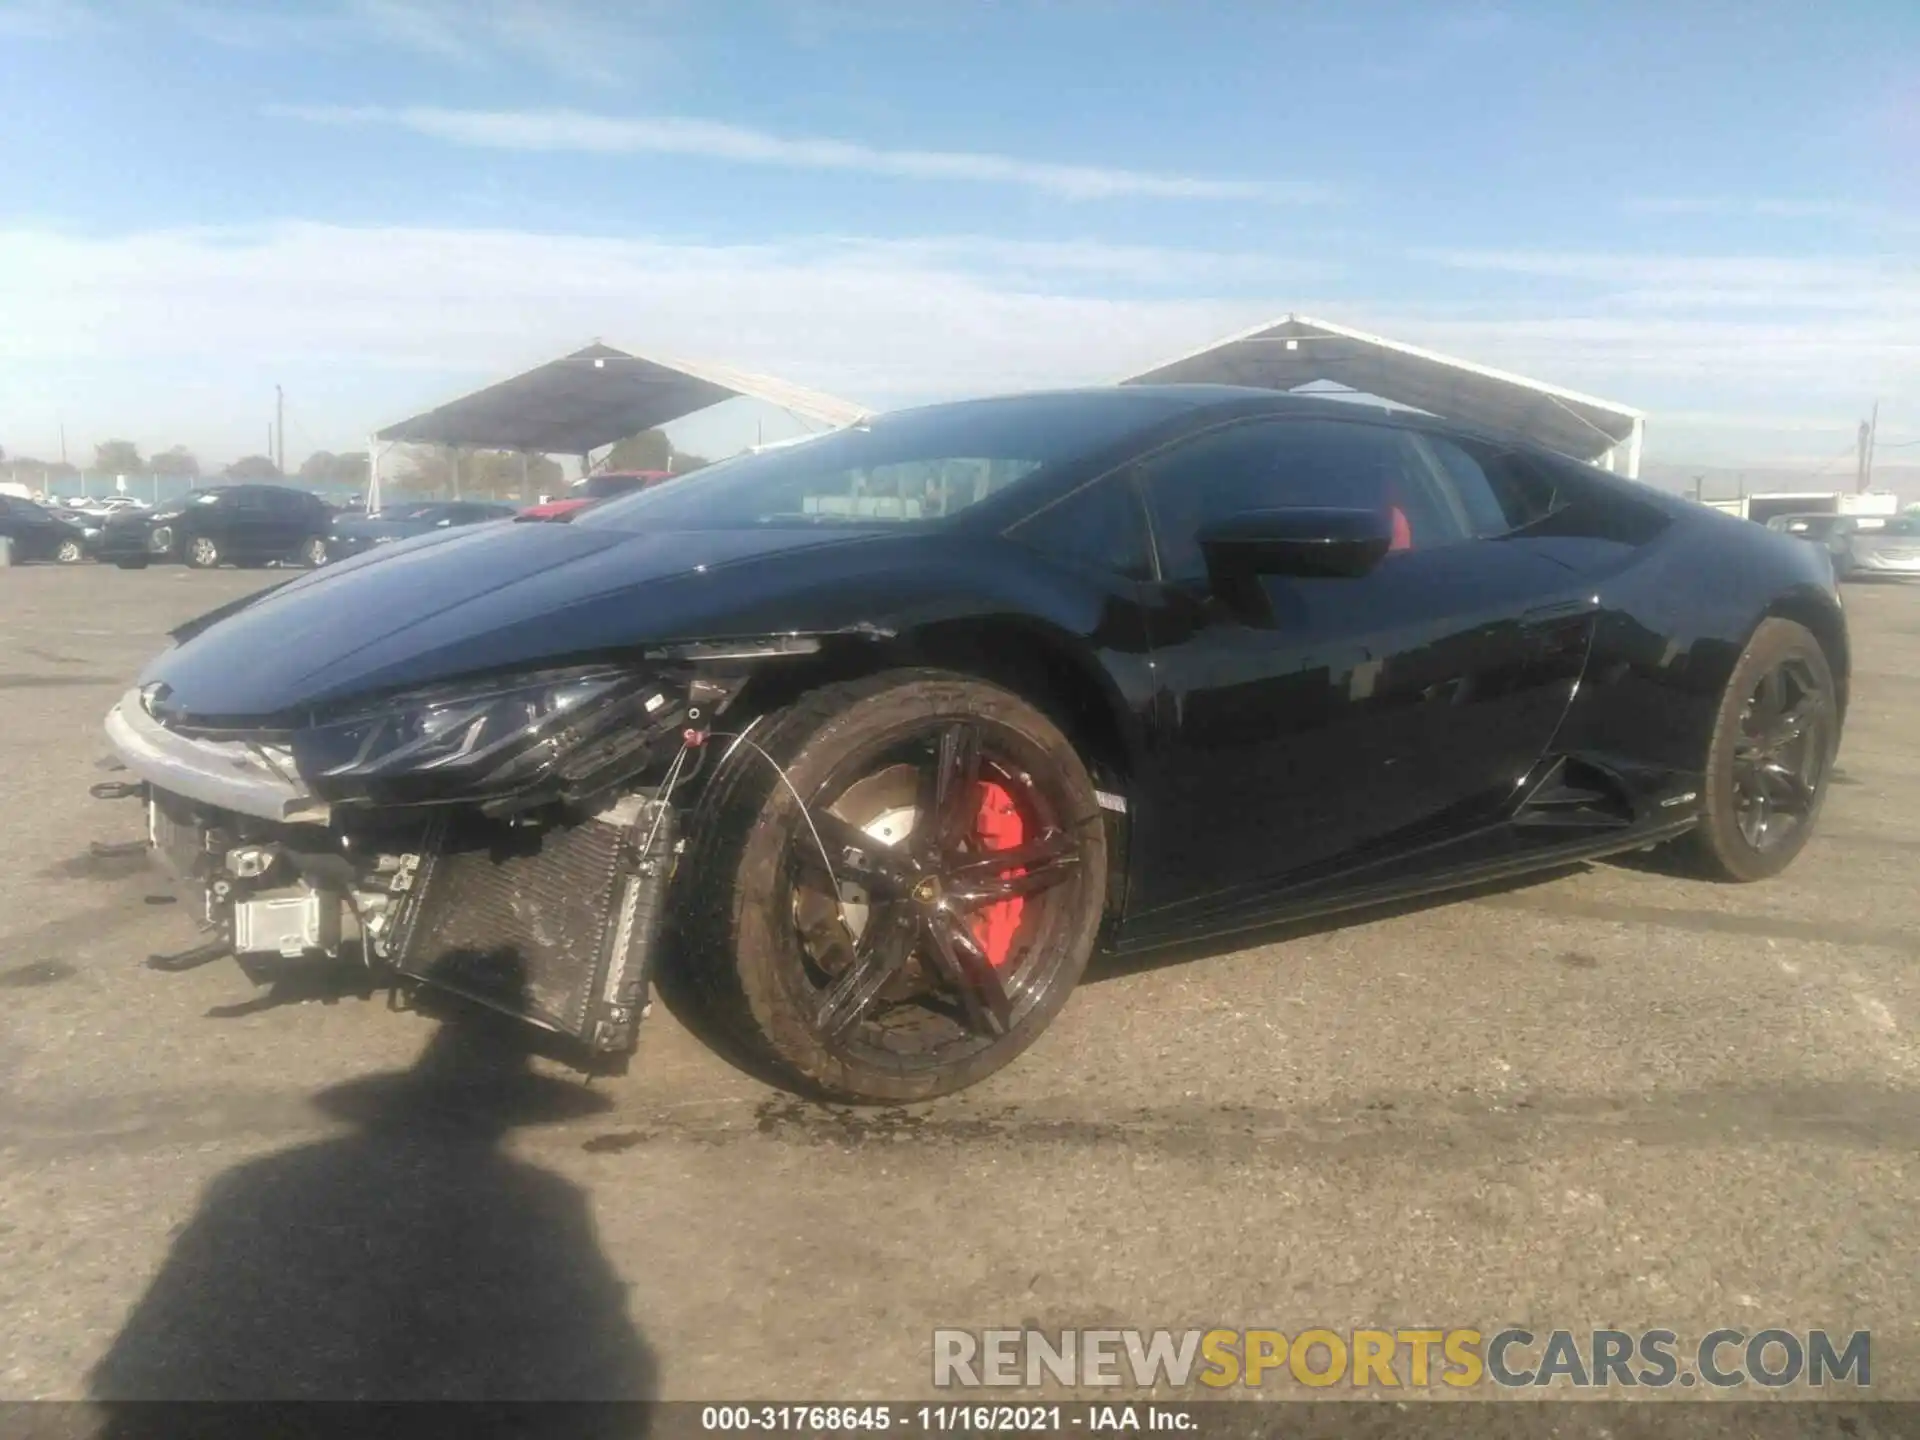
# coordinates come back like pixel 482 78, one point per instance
pixel 739 738
pixel 665 798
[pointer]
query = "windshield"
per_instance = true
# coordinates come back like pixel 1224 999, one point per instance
pixel 916 467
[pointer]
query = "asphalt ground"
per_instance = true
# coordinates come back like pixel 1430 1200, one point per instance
pixel 1607 1099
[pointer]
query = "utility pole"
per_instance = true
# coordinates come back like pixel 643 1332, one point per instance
pixel 280 430
pixel 1870 432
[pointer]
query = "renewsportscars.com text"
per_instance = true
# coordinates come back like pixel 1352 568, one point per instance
pixel 1401 1358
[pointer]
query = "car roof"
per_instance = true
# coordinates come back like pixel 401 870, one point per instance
pixel 1232 401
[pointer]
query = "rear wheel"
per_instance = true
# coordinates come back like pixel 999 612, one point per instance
pixel 202 552
pixel 70 552
pixel 313 551
pixel 923 918
pixel 1770 758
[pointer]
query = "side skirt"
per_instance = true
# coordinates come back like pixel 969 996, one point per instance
pixel 1152 932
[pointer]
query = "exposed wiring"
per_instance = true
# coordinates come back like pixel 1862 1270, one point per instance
pixel 739 738
pixel 665 798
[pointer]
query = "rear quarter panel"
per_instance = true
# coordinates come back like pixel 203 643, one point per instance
pixel 1673 624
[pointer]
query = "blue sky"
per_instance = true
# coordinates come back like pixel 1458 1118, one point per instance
pixel 1710 211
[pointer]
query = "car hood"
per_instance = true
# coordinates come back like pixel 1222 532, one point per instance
pixel 484 597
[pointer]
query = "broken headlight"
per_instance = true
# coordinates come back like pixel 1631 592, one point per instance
pixel 469 740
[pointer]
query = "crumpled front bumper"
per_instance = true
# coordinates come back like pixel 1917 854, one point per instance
pixel 244 777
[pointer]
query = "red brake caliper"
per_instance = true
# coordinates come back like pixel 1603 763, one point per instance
pixel 999 827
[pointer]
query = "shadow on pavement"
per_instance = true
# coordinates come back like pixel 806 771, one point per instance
pixel 411 1259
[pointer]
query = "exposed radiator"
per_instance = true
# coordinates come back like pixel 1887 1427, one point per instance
pixel 558 926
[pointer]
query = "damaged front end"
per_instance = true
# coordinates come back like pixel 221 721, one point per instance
pixel 509 838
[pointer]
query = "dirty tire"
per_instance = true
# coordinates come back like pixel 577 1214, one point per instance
pixel 1718 847
pixel 738 955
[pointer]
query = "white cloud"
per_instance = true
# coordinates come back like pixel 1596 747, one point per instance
pixel 1675 283
pixel 570 38
pixel 1772 207
pixel 378 322
pixel 178 336
pixel 573 130
pixel 42 19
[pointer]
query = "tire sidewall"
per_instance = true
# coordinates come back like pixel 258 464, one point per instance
pixel 766 949
pixel 1775 641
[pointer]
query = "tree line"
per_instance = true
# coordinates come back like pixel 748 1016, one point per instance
pixel 423 469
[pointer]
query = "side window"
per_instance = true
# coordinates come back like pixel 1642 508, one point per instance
pixel 250 501
pixel 1279 464
pixel 1101 526
pixel 1497 491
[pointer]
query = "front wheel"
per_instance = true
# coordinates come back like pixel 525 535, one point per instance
pixel 1770 757
pixel 70 552
pixel 313 552
pixel 924 915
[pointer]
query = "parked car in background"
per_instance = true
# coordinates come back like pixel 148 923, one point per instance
pixel 1827 531
pixel 237 524
pixel 353 533
pixel 604 486
pixel 38 533
pixel 104 505
pixel 1893 549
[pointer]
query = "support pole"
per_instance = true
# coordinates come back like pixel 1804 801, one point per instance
pixel 1873 436
pixel 373 474
pixel 1636 444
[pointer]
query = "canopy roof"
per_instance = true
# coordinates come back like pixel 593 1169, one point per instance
pixel 598 395
pixel 1299 350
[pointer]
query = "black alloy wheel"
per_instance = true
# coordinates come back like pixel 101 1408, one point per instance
pixel 1780 759
pixel 891 931
pixel 1770 758
pixel 920 920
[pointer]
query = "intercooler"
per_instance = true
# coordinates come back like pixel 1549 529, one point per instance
pixel 556 925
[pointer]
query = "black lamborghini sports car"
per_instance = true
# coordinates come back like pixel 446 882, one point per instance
pixel 876 739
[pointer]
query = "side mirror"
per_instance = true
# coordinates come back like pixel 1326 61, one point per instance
pixel 1302 543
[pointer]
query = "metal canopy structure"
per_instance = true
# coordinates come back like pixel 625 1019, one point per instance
pixel 598 395
pixel 1300 350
